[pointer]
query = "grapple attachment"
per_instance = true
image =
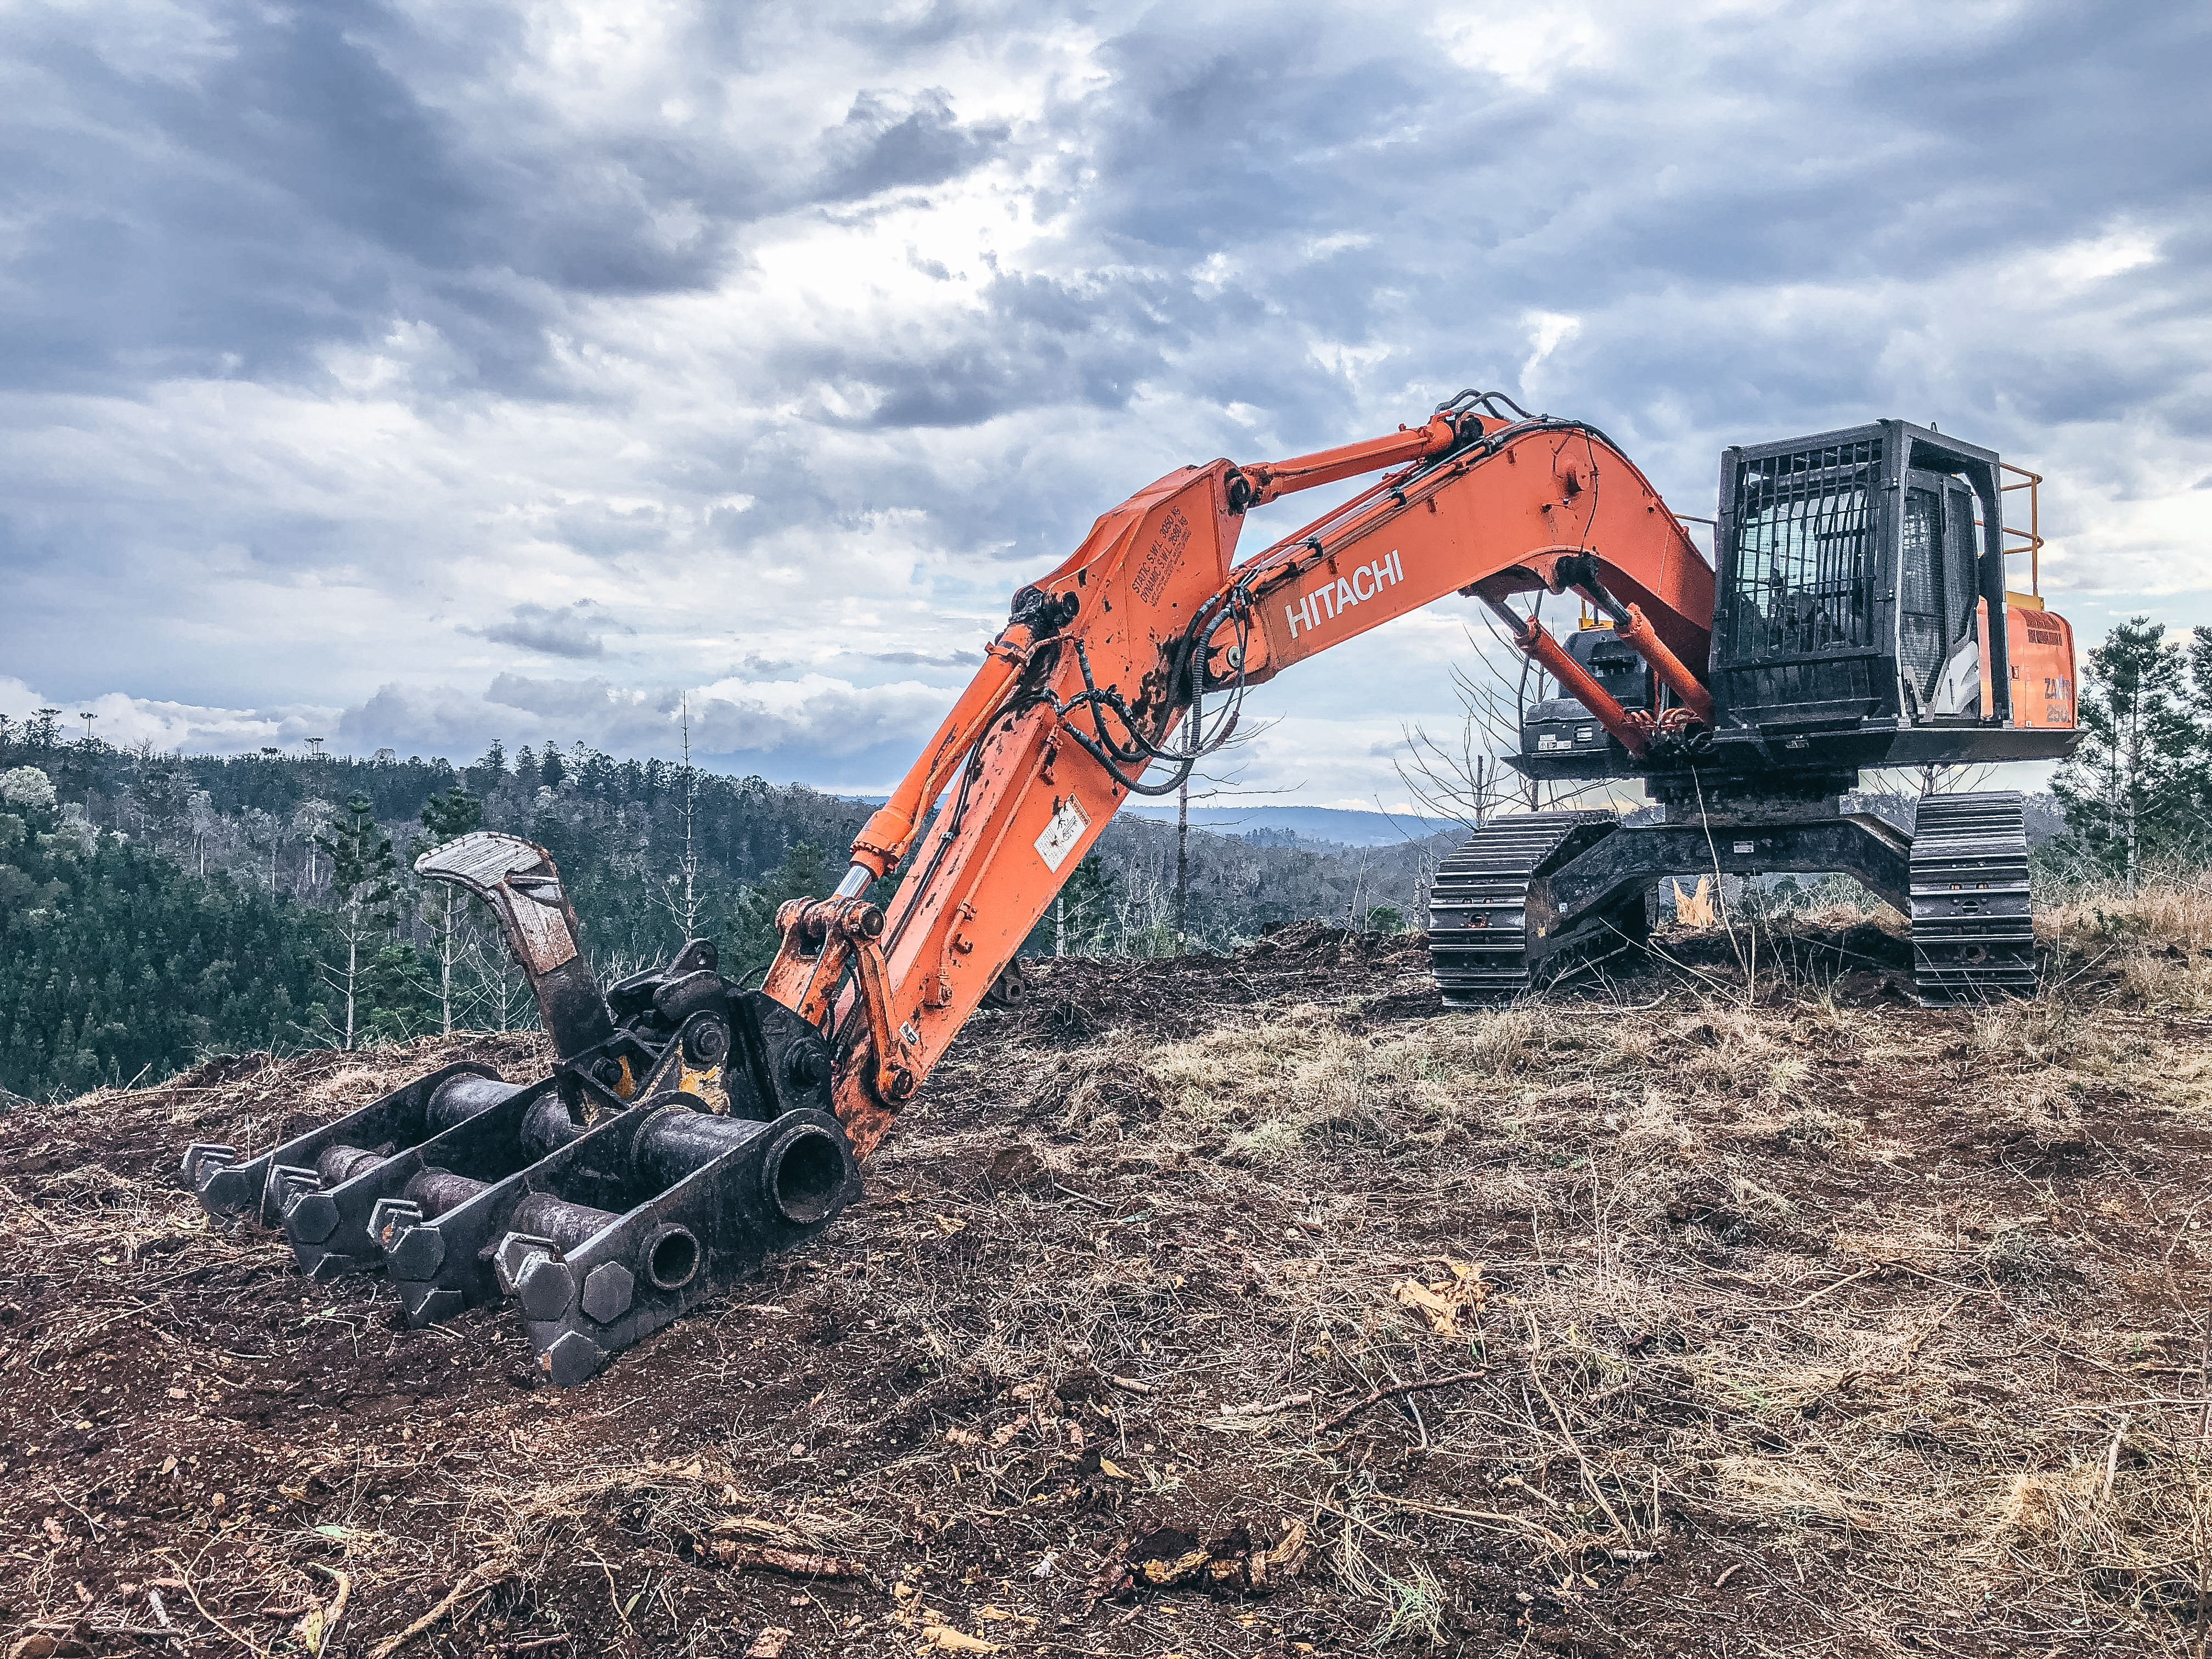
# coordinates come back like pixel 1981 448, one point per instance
pixel 683 1135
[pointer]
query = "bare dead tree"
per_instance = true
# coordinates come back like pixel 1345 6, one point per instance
pixel 684 902
pixel 1182 845
pixel 493 990
pixel 1220 784
pixel 1460 774
pixel 1909 782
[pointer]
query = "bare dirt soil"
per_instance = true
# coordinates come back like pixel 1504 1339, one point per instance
pixel 1218 1307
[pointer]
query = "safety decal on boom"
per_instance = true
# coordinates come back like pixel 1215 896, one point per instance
pixel 1060 835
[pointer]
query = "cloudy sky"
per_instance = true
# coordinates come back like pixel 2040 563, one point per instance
pixel 420 374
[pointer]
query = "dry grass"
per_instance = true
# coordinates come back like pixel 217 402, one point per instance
pixel 2168 909
pixel 1776 1326
pixel 1853 1371
pixel 2151 950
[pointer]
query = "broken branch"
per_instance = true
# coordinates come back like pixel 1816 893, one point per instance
pixel 488 1572
pixel 1395 1388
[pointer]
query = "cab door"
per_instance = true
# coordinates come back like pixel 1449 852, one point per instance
pixel 1938 648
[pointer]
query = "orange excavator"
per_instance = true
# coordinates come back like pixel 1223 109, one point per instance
pixel 1857 614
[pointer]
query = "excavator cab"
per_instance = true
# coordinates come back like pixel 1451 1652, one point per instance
pixel 1859 572
pixel 1852 577
pixel 1856 573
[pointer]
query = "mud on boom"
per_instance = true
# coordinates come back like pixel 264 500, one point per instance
pixel 1860 616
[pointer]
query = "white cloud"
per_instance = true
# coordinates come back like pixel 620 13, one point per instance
pixel 1547 331
pixel 2097 258
pixel 1529 47
pixel 127 722
pixel 552 361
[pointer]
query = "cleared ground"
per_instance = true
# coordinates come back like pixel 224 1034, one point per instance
pixel 1243 1306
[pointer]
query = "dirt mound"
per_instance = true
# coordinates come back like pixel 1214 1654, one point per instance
pixel 1239 1305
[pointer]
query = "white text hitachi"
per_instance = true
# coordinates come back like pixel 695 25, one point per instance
pixel 1363 583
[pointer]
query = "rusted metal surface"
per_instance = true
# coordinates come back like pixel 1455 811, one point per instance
pixel 516 881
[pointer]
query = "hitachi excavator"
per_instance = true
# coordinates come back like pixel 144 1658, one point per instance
pixel 1857 614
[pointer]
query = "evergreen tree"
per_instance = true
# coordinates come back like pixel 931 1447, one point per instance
pixel 2127 791
pixel 364 884
pixel 450 815
pixel 2199 675
pixel 165 796
pixel 401 999
pixel 806 872
pixel 116 963
pixel 746 930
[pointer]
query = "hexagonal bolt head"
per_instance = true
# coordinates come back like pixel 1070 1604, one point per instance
pixel 573 1358
pixel 417 1253
pixel 545 1286
pixel 607 1290
pixel 310 1218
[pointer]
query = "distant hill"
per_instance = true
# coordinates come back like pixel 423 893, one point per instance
pixel 1341 825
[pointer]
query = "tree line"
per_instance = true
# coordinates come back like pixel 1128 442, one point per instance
pixel 2137 794
pixel 155 907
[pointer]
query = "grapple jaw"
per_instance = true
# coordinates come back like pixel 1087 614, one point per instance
pixel 685 1134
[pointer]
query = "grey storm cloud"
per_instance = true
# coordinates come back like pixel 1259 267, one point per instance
pixel 303 173
pixel 887 142
pixel 927 660
pixel 575 630
pixel 801 334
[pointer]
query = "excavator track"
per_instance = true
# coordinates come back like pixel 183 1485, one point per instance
pixel 1488 906
pixel 1974 932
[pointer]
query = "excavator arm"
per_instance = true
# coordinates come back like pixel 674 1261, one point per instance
pixel 1123 665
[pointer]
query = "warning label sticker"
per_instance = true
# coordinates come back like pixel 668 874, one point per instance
pixel 1060 835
